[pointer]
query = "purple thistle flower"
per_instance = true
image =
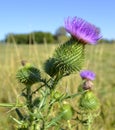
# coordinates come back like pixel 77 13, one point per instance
pixel 87 74
pixel 82 30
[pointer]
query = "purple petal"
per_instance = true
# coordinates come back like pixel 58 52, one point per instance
pixel 82 30
pixel 87 74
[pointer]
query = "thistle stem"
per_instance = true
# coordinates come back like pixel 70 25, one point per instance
pixel 11 105
pixel 89 121
pixel 89 127
pixel 29 98
pixel 69 125
pixel 73 95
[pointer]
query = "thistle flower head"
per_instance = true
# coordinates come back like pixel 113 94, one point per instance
pixel 28 74
pixel 82 30
pixel 87 74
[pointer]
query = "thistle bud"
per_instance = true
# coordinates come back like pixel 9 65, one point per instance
pixel 87 85
pixel 87 77
pixel 28 74
pixel 67 111
pixel 49 67
pixel 70 57
pixel 89 101
pixel 67 58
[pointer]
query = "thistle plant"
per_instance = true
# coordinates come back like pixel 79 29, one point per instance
pixel 46 108
pixel 89 104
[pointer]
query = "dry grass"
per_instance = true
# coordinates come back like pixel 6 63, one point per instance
pixel 99 58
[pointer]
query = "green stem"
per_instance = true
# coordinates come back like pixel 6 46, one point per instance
pixel 19 114
pixel 89 122
pixel 72 96
pixel 89 127
pixel 55 81
pixel 29 98
pixel 51 102
pixel 45 84
pixel 10 105
pixel 34 92
pixel 69 125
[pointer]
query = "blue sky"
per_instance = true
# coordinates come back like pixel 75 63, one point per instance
pixel 24 16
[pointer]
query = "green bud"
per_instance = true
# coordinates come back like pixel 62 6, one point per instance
pixel 67 111
pixel 67 58
pixel 89 101
pixel 28 74
pixel 49 67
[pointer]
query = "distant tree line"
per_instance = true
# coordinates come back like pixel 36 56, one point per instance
pixel 31 38
pixel 37 37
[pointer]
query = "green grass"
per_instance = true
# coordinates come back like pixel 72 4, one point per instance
pixel 99 58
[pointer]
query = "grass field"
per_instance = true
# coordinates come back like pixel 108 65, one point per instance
pixel 99 58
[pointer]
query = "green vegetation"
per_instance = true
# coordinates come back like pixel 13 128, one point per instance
pixel 38 37
pixel 100 59
pixel 30 38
